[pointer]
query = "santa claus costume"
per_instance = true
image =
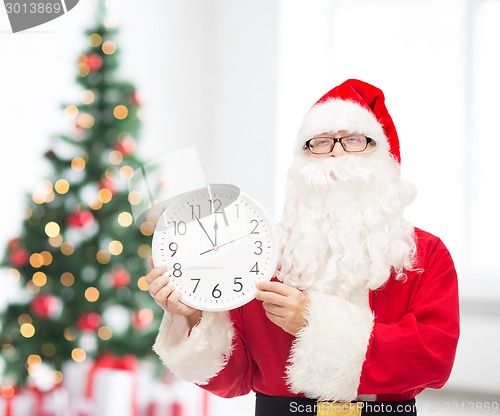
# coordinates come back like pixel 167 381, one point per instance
pixel 382 319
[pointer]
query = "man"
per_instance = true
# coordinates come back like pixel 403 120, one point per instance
pixel 364 308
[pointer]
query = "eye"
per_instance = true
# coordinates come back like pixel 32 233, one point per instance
pixel 355 139
pixel 321 141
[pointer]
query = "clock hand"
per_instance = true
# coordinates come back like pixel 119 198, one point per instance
pixel 203 228
pixel 225 244
pixel 215 230
pixel 225 217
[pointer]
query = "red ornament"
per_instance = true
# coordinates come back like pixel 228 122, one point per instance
pixel 46 306
pixel 19 257
pixel 143 318
pixel 50 155
pixel 135 98
pixel 125 146
pixel 120 278
pixel 14 243
pixel 94 61
pixel 80 219
pixel 89 322
pixel 107 184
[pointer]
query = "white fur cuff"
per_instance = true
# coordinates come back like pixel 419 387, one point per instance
pixel 328 354
pixel 201 355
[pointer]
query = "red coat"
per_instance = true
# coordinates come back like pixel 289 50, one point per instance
pixel 410 345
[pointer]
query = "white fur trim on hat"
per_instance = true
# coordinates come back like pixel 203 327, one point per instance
pixel 334 115
pixel 199 356
pixel 328 354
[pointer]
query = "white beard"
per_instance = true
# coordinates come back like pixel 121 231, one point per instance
pixel 342 230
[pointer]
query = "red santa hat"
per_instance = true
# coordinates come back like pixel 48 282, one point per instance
pixel 354 106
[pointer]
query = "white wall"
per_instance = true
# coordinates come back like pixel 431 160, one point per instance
pixel 208 73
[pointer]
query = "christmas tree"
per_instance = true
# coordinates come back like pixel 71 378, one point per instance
pixel 79 258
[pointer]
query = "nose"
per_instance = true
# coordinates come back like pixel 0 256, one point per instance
pixel 337 150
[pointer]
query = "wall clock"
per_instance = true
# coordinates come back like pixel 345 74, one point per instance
pixel 217 243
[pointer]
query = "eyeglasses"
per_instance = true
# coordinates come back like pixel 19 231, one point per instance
pixel 324 144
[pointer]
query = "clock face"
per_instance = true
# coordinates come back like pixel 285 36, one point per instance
pixel 216 245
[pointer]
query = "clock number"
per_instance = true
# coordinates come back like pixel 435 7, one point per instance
pixel 193 215
pixel 177 270
pixel 238 283
pixel 196 285
pixel 254 231
pixel 173 248
pixel 237 210
pixel 255 268
pixel 216 293
pixel 215 203
pixel 259 248
pixel 180 227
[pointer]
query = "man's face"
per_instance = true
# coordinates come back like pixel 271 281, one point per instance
pixel 342 226
pixel 337 148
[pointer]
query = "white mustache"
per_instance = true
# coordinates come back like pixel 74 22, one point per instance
pixel 323 173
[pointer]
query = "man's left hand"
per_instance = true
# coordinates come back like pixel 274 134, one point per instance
pixel 284 305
